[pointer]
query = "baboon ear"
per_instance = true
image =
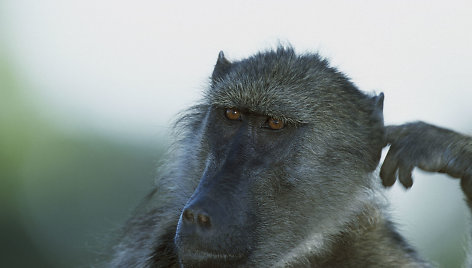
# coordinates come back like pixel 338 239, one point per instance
pixel 377 136
pixel 377 115
pixel 222 67
pixel 377 109
pixel 379 102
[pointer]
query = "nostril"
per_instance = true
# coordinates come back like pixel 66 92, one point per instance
pixel 188 215
pixel 203 220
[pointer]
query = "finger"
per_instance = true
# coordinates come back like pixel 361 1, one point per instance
pixel 389 166
pixel 404 175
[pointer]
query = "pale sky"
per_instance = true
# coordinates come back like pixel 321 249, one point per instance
pixel 127 67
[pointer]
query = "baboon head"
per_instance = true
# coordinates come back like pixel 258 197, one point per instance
pixel 280 153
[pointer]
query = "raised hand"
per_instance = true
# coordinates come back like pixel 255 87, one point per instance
pixel 430 148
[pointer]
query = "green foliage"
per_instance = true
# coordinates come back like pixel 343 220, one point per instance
pixel 63 196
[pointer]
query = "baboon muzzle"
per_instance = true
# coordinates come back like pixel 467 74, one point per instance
pixel 215 220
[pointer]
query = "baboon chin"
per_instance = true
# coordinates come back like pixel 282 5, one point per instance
pixel 276 167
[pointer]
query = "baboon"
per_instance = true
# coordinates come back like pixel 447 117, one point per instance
pixel 276 167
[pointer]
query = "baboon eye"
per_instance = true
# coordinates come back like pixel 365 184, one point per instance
pixel 275 124
pixel 233 114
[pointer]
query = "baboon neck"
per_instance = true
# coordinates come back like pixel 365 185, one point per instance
pixel 370 229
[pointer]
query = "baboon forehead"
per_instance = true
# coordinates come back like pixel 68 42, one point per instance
pixel 255 97
pixel 283 85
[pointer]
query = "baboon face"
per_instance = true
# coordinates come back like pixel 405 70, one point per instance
pixel 282 143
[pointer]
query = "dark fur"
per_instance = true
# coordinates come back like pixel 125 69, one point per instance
pixel 304 196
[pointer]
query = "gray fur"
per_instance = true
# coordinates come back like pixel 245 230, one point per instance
pixel 309 191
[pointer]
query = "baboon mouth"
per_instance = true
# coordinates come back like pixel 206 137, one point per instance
pixel 200 255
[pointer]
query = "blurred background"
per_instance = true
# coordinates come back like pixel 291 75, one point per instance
pixel 88 91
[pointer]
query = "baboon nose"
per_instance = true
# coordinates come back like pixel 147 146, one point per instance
pixel 196 217
pixel 203 220
pixel 188 216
